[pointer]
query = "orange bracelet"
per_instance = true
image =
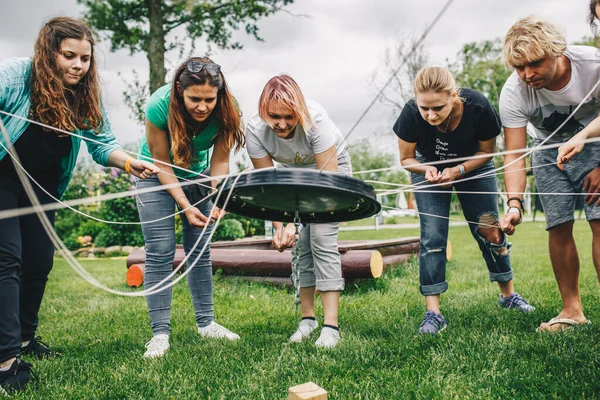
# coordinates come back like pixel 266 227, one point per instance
pixel 128 165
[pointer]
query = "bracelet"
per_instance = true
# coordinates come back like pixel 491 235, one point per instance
pixel 462 170
pixel 177 201
pixel 510 210
pixel 514 198
pixel 128 165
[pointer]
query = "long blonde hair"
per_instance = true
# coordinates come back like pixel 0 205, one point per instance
pixel 52 103
pixel 284 90
pixel 226 112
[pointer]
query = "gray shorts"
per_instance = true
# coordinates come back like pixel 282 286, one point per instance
pixel 549 179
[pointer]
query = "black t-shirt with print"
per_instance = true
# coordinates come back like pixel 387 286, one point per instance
pixel 479 122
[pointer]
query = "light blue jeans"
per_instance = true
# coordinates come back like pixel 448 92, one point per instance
pixel 160 253
pixel 434 228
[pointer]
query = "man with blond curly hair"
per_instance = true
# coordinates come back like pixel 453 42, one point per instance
pixel 549 82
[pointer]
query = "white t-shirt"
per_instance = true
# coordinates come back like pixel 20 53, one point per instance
pixel 298 151
pixel 545 109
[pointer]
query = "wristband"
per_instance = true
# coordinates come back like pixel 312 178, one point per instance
pixel 128 165
pixel 518 210
pixel 514 198
pixel 461 168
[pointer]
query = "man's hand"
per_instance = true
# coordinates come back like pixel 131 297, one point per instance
pixel 509 222
pixel 591 185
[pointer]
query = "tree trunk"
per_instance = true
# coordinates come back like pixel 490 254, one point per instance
pixel 156 45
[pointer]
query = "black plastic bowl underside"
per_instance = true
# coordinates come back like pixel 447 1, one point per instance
pixel 276 194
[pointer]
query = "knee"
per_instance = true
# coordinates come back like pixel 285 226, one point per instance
pixel 492 235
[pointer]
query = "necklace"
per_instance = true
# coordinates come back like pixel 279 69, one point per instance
pixel 196 131
pixel 447 123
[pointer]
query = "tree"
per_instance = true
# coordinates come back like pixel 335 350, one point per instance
pixel 478 66
pixel 364 158
pixel 403 61
pixel 144 26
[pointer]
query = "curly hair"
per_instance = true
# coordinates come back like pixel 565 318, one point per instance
pixel 226 112
pixel 52 102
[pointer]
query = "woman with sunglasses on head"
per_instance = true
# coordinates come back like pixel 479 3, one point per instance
pixel 58 87
pixel 185 120
pixel 443 123
pixel 295 132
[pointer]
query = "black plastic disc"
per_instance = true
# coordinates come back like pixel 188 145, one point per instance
pixel 276 194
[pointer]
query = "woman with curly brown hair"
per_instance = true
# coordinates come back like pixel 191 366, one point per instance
pixel 186 121
pixel 59 88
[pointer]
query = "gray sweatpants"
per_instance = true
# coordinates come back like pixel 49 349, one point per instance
pixel 319 263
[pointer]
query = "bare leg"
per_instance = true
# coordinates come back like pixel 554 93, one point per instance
pixel 506 288
pixel 433 303
pixel 8 363
pixel 307 301
pixel 331 301
pixel 595 225
pixel 565 263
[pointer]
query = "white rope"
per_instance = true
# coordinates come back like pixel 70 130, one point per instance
pixel 75 265
pixel 448 218
pixel 91 216
pixel 132 153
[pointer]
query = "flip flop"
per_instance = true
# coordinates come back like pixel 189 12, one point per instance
pixel 568 322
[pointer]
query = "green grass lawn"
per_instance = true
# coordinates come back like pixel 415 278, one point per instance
pixel 486 352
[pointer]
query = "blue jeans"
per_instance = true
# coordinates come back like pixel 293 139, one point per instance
pixel 160 253
pixel 434 230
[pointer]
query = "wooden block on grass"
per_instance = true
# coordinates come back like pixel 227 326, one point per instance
pixel 307 391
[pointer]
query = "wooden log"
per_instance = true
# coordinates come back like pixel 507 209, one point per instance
pixel 360 259
pixel 135 275
pixel 307 391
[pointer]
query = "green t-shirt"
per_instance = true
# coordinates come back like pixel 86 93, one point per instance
pixel 157 112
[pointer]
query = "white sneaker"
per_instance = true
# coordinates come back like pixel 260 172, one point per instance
pixel 305 327
pixel 157 346
pixel 214 330
pixel 329 338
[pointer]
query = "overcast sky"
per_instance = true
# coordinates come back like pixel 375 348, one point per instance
pixel 332 53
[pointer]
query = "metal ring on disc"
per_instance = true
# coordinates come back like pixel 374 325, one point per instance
pixel 318 196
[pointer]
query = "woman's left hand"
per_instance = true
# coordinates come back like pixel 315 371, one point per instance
pixel 142 169
pixel 449 175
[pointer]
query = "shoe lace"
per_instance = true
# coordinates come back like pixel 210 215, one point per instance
pixel 516 300
pixel 156 343
pixel 433 319
pixel 36 342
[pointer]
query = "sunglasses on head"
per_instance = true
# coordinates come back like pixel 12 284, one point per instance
pixel 196 66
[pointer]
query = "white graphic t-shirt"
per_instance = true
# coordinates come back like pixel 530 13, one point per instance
pixel 298 151
pixel 545 109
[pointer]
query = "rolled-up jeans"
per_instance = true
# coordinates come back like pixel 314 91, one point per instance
pixel 160 253
pixel 434 210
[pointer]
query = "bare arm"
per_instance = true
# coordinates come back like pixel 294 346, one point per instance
pixel 158 144
pixel 515 177
pixel 138 168
pixel 329 156
pixel 282 238
pixel 219 162
pixel 486 147
pixel 409 161
pixel 575 145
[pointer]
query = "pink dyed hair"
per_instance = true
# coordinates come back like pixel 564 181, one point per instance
pixel 284 90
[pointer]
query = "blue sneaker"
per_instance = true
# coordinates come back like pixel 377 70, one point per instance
pixel 516 302
pixel 432 323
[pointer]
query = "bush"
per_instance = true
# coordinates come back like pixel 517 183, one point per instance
pixel 229 229
pixel 251 226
